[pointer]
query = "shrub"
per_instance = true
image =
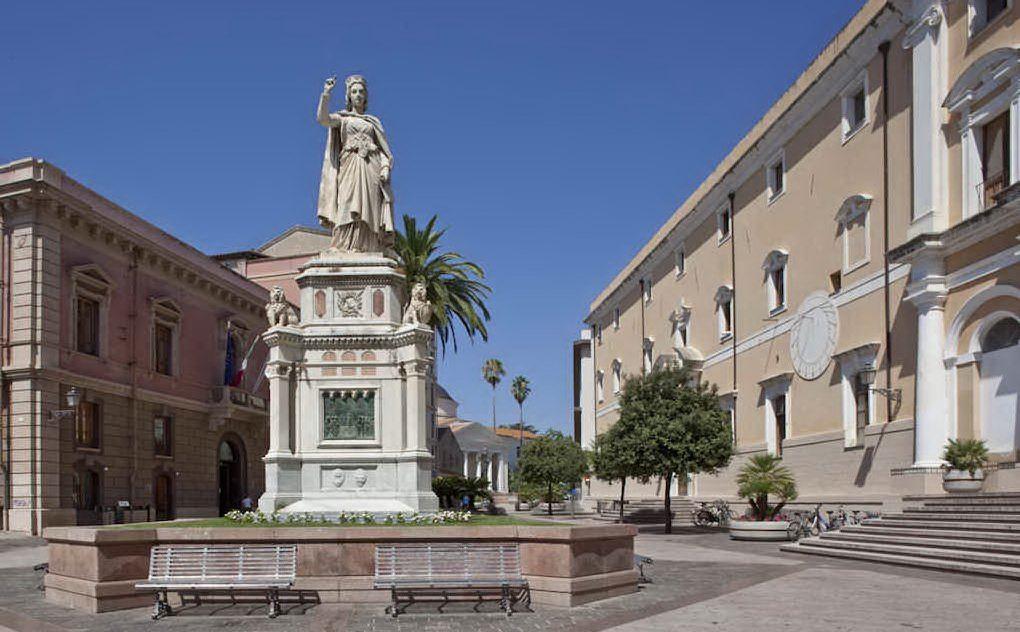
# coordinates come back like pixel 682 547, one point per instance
pixel 761 476
pixel 966 454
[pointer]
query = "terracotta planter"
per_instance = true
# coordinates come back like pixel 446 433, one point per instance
pixel 764 530
pixel 962 482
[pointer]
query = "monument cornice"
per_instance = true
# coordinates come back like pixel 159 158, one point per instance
pixel 400 338
pixel 348 280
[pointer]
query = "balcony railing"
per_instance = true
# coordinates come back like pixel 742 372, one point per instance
pixel 992 186
pixel 228 395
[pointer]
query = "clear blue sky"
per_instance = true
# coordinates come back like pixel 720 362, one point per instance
pixel 552 138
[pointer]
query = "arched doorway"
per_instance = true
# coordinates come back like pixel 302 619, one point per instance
pixel 1000 385
pixel 163 496
pixel 232 474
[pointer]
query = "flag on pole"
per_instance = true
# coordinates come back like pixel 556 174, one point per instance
pixel 228 363
pixel 239 376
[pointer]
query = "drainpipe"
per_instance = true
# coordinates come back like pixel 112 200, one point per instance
pixel 133 364
pixel 641 301
pixel 883 48
pixel 733 298
pixel 5 357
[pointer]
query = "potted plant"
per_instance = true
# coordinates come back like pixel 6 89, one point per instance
pixel 763 475
pixel 965 462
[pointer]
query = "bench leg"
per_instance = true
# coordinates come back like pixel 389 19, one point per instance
pixel 394 610
pixel 506 602
pixel 162 606
pixel 274 603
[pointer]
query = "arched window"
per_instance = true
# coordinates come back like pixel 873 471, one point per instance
pixel 1003 334
pixel 775 280
pixel 617 376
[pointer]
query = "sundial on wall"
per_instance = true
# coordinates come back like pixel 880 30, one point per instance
pixel 814 335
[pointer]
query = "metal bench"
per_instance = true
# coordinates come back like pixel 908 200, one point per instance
pixel 230 568
pixel 437 569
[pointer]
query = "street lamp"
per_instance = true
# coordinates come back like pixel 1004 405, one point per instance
pixel 867 377
pixel 72 397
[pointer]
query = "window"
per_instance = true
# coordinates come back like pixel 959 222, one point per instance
pixel 724 221
pixel 646 354
pixel 775 280
pixel 680 261
pixel 853 230
pixel 90 293
pixel 778 404
pixel 728 403
pixel 87 495
pixel 162 435
pixel 87 325
pixel 166 317
pixel 87 425
pixel 994 158
pixel 617 377
pixel 862 405
pixel 600 386
pixel 835 282
pixel 724 309
pixel 616 318
pixel 855 106
pixel 984 12
pixel 598 332
pixel 1002 335
pixel 646 289
pixel 775 177
pixel 680 318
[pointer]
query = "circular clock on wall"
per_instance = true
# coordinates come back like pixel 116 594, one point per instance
pixel 814 335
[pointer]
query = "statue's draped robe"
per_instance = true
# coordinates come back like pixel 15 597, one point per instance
pixel 352 196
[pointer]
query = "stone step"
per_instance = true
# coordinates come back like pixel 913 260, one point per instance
pixel 978 557
pixel 962 508
pixel 971 502
pixel 950 516
pixel 916 522
pixel 965 544
pixel 978 496
pixel 956 534
pixel 907 560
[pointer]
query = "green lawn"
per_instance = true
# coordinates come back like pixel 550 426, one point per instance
pixel 476 520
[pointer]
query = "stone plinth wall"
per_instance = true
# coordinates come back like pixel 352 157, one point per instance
pixel 95 570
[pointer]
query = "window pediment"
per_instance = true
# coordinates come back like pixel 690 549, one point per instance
pixel 92 277
pixel 775 259
pixel 984 75
pixel 852 207
pixel 724 293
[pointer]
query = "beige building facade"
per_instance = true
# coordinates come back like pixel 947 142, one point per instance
pixel 847 276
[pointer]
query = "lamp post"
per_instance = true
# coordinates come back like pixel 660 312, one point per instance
pixel 73 397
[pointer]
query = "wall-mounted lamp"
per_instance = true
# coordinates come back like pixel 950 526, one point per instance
pixel 867 377
pixel 73 398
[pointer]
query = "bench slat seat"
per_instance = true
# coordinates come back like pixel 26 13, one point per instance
pixel 438 567
pixel 219 568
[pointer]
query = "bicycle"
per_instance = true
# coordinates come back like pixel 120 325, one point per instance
pixel 807 525
pixel 715 514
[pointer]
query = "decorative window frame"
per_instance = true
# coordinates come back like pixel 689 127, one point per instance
pixel 846 102
pixel 647 350
pixel 646 289
pixel 771 194
pixel 1000 67
pixel 597 331
pixel 376 442
pixel 724 296
pixel 617 369
pixel 977 21
pixel 88 397
pixel 728 403
pixel 724 211
pixel 773 387
pixel 170 432
pixel 92 282
pixel 680 260
pixel 776 260
pixel 680 319
pixel 851 362
pixel 853 208
pixel 600 386
pixel 616 318
pixel 166 312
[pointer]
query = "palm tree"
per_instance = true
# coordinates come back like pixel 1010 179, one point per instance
pixel 493 372
pixel 453 284
pixel 760 476
pixel 520 388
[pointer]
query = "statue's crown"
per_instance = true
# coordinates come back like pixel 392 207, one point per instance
pixel 353 79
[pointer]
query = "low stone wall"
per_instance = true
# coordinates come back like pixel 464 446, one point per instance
pixel 95 569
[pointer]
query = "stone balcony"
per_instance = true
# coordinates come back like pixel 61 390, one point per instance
pixel 229 402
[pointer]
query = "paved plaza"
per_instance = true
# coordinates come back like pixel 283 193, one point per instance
pixel 701 581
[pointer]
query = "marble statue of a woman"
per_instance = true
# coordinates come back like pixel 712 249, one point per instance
pixel 355 199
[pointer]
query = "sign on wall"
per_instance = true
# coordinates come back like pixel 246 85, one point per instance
pixel 348 415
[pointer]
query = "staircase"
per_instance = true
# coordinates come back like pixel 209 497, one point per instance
pixel 648 511
pixel 966 533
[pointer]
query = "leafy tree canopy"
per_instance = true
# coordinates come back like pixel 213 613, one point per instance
pixel 552 458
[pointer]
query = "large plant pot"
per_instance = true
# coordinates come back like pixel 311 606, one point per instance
pixel 961 481
pixel 764 530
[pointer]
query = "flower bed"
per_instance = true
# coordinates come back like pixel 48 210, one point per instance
pixel 344 518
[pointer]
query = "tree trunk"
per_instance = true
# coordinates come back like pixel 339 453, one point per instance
pixel 623 490
pixel 549 499
pixel 666 500
pixel 494 408
pixel 520 448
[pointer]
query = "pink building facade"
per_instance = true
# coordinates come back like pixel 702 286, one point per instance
pixel 150 334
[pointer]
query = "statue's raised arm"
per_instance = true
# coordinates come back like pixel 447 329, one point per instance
pixel 355 198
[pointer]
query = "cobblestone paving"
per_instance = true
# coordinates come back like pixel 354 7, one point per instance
pixel 701 582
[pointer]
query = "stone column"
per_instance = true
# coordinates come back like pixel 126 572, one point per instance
pixel 927 291
pixel 504 479
pixel 278 374
pixel 926 38
pixel 466 470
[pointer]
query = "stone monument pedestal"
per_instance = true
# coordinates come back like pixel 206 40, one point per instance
pixel 349 430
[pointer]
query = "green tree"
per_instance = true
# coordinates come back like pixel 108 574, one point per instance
pixel 614 457
pixel 493 372
pixel 761 476
pixel 520 388
pixel 675 426
pixel 454 285
pixel 550 460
